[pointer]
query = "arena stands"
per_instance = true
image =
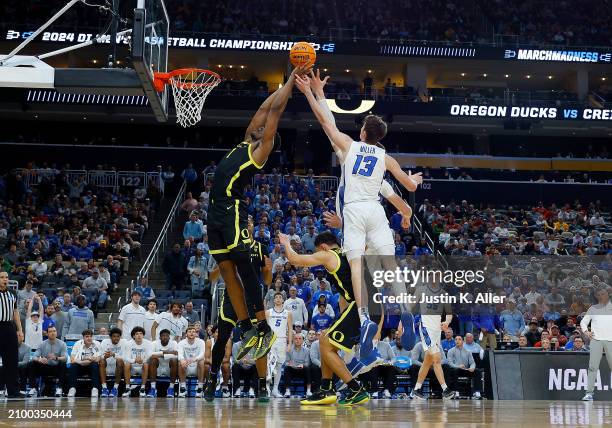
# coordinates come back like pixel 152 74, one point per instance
pixel 473 21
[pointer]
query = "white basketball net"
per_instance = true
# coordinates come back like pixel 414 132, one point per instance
pixel 190 91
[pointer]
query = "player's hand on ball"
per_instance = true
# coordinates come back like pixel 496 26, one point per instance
pixel 302 70
pixel 332 220
pixel 303 84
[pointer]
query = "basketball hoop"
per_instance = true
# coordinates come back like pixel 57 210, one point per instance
pixel 190 87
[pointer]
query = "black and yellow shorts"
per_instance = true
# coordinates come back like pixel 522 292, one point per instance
pixel 228 314
pixel 227 230
pixel 344 333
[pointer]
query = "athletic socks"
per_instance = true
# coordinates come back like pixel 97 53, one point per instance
pixel 363 315
pixel 104 385
pixel 184 385
pixel 200 385
pixel 326 384
pixel 418 385
pixel 153 385
pixel 245 325
pixel 444 387
pixel 353 385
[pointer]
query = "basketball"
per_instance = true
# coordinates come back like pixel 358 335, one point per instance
pixel 302 53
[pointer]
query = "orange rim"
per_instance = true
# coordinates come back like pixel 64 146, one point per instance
pixel 162 79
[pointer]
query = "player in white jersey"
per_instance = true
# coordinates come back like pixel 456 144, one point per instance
pixel 364 164
pixel 111 362
pixel 173 321
pixel 191 353
pixel 150 317
pixel 163 362
pixel 136 360
pixel 281 322
pixel 131 315
pixel 432 305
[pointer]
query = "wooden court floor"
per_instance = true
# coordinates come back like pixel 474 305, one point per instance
pixel 132 412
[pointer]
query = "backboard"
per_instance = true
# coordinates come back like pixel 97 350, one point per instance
pixel 149 45
pixel 150 51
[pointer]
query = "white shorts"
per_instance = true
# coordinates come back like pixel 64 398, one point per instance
pixel 280 350
pixel 192 370
pixel 164 368
pixel 365 224
pixel 431 333
pixel 111 366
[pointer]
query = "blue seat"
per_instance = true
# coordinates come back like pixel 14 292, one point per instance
pixel 163 294
pixel 182 294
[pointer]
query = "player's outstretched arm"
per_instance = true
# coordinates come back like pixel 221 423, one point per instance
pixel 409 181
pixel 262 151
pixel 316 85
pixel 337 138
pixel 401 205
pixel 259 118
pixel 320 258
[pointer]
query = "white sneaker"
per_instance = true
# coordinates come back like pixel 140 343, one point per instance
pixel 32 392
pixel 276 393
pixel 588 397
pixel 238 392
pixel 72 392
pixel 251 393
pixel 287 393
pixel 59 392
pixel 225 392
pixel 374 395
pixel 182 392
pixel 477 396
pixel 128 392
pixel 143 393
pixel 94 392
pixel 386 393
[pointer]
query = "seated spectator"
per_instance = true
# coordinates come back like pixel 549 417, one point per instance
pixel 84 359
pixel 191 361
pixel 512 320
pixel 297 364
pixel 49 360
pixel 315 360
pixel 59 317
pixel 577 345
pixel 189 314
pixel 277 287
pixel 164 362
pixel 66 302
pixel 448 342
pixel 111 361
pixel 386 371
pixel 533 335
pixel 48 319
pixel 136 354
pixel 460 362
pixel 39 267
pixel 95 282
pixel 320 320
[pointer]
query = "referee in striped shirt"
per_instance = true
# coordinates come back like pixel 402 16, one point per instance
pixel 10 324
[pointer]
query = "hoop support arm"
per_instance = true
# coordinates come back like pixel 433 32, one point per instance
pixel 40 30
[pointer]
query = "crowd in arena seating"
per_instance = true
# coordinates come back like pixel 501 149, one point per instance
pixel 573 229
pixel 543 311
pixel 542 21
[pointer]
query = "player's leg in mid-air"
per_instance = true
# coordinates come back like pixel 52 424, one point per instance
pixel 229 238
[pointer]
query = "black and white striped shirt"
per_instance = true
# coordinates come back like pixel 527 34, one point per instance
pixel 8 303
